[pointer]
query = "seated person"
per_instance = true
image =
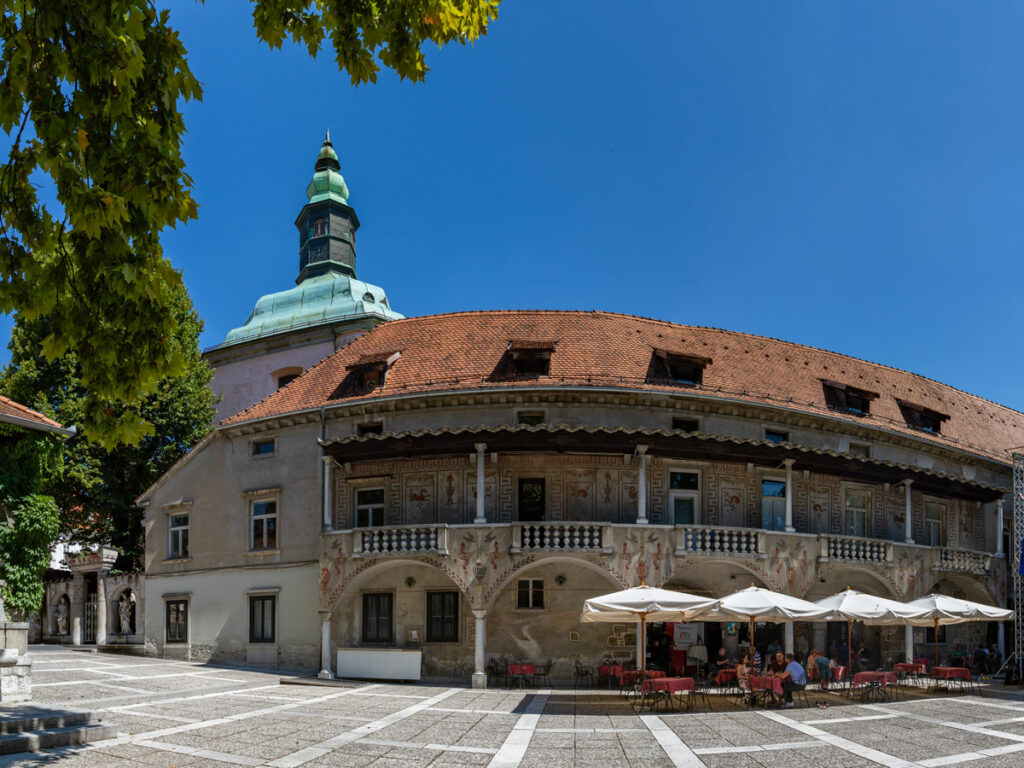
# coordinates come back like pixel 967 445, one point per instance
pixel 743 670
pixel 794 678
pixel 722 661
pixel 773 648
pixel 778 664
pixel 823 668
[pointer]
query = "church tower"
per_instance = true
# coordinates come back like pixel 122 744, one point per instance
pixel 328 307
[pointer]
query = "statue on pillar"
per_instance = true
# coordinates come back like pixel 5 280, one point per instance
pixel 124 613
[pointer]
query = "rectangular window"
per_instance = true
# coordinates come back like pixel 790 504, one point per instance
pixel 369 507
pixel 934 524
pixel 531 593
pixel 860 449
pixel 531 418
pixel 531 499
pixel 177 621
pixel 857 513
pixel 177 536
pixel 839 397
pixel 684 481
pixel 776 436
pixel 264 447
pixel 378 609
pixel 264 525
pixel 922 418
pixel 370 428
pixel 686 425
pixel 773 505
pixel 442 617
pixel 262 610
pixel 531 365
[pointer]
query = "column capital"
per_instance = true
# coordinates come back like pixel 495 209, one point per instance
pixel 641 450
pixel 788 463
pixel 327 460
pixel 908 482
pixel 480 447
pixel 480 613
pixel 325 615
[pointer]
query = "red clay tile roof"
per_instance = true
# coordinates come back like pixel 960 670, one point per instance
pixel 12 412
pixel 462 351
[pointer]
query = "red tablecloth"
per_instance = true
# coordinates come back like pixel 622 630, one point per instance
pixel 670 684
pixel 906 666
pixel 725 676
pixel 609 670
pixel 522 669
pixel 629 675
pixel 765 684
pixel 951 673
pixel 882 678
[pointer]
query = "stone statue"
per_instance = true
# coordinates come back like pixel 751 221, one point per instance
pixel 124 613
pixel 62 617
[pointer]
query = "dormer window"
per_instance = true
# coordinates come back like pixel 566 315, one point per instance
pixel 840 397
pixel 530 359
pixel 368 298
pixel 919 417
pixel 677 368
pixel 320 227
pixel 288 378
pixel 370 372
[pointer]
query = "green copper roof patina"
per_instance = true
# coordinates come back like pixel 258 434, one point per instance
pixel 328 298
pixel 326 294
pixel 327 182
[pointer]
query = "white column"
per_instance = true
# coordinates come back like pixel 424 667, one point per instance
pixel 909 513
pixel 481 510
pixel 325 646
pixel 789 522
pixel 999 531
pixel 328 521
pixel 787 637
pixel 908 642
pixel 641 487
pixel 479 665
pixel 101 608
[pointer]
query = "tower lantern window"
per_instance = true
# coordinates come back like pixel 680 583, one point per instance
pixel 320 227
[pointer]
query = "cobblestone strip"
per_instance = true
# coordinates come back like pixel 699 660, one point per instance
pixel 680 754
pixel 511 752
pixel 875 756
pixel 319 750
pixel 206 754
pixel 763 748
pixel 951 724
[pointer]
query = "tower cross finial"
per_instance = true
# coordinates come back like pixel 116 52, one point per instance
pixel 327 138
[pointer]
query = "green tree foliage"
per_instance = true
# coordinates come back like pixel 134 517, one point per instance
pixel 89 97
pixel 99 486
pixel 29 519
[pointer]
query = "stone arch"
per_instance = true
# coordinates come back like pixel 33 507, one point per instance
pixel 864 579
pixel 963 587
pixel 715 577
pixel 374 567
pixel 491 593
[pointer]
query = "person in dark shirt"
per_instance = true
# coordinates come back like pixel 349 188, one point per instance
pixel 662 654
pixel 722 661
pixel 778 663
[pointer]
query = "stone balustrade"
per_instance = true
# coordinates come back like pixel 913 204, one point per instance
pixel 557 537
pixel 730 542
pixel 854 549
pixel 963 561
pixel 404 540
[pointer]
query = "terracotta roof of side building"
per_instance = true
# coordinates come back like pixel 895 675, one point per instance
pixel 466 350
pixel 15 413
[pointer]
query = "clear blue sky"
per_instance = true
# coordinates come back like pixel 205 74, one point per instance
pixel 847 175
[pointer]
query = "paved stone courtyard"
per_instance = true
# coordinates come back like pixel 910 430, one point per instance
pixel 178 714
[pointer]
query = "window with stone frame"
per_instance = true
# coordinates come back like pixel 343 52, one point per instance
pixel 177 621
pixel 684 424
pixel 857 513
pixel 262 618
pixel 773 504
pixel 378 617
pixel 530 594
pixel 443 617
pixel 177 535
pixel 530 418
pixel 369 508
pixel 776 436
pixel 263 531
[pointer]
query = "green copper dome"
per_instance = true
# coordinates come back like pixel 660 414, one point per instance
pixel 327 182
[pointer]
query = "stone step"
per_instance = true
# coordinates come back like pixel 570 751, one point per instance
pixel 50 738
pixel 26 718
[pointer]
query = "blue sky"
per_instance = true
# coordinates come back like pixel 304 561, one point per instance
pixel 842 174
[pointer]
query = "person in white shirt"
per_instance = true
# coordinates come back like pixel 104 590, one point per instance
pixel 794 678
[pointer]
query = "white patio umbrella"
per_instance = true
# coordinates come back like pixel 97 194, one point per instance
pixel 756 604
pixel 943 610
pixel 851 605
pixel 642 604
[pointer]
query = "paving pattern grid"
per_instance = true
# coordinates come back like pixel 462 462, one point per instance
pixel 190 715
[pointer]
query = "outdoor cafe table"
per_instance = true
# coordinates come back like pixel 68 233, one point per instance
pixel 609 672
pixel 673 687
pixel 631 675
pixel 520 673
pixel 959 675
pixel 908 667
pixel 872 684
pixel 764 685
pixel 725 676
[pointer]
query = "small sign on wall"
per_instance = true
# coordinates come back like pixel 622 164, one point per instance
pixel 414 636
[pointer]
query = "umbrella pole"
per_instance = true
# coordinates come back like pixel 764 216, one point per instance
pixel 753 648
pixel 849 646
pixel 936 641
